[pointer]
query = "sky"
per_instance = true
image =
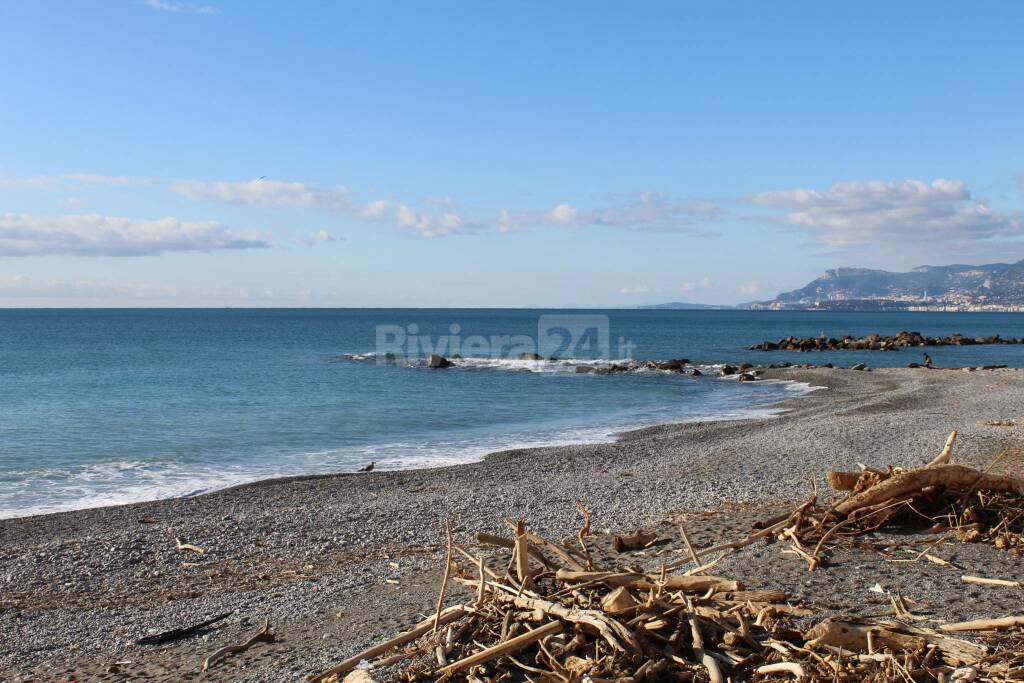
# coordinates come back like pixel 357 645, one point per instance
pixel 449 154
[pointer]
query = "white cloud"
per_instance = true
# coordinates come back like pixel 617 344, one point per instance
pixel 506 223
pixel 638 289
pixel 97 235
pixel 167 6
pixel 703 283
pixel 268 193
pixel 564 214
pixel 750 288
pixel 34 183
pixel 438 219
pixel 318 237
pixel 51 182
pixel 112 180
pixel 72 202
pixel 439 216
pixel 648 211
pixel 432 225
pixel 24 287
pixel 853 214
pixel 375 209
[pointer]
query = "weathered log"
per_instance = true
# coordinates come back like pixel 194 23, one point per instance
pixel 853 637
pixel 912 481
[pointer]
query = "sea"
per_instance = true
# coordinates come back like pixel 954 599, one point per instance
pixel 101 407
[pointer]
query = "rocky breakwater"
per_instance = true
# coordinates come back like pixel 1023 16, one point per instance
pixel 673 365
pixel 876 342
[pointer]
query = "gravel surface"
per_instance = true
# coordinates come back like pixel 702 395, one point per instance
pixel 336 562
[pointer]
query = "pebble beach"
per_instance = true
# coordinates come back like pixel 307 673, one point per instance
pixel 337 562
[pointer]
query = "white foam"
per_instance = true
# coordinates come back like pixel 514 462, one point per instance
pixel 130 481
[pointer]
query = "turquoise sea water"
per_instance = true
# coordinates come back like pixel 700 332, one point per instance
pixel 100 407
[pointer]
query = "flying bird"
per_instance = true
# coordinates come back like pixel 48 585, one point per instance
pixel 367 468
pixel 260 178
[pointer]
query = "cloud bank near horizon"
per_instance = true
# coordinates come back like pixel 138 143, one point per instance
pixel 856 214
pixel 99 235
pixel 848 217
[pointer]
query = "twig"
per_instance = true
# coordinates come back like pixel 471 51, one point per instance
pixel 262 636
pixel 943 457
pixel 689 546
pixel 187 546
pixel 984 624
pixel 447 573
pixel 991 582
pixel 584 532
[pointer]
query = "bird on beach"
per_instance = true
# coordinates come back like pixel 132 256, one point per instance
pixel 367 468
pixel 927 361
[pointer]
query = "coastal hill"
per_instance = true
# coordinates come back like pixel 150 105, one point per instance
pixel 994 286
pixel 958 287
pixel 683 306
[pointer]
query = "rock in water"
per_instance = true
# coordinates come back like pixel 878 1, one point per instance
pixel 437 362
pixel 728 370
pixel 530 356
pixel 860 366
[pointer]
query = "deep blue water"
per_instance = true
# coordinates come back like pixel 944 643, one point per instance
pixel 99 407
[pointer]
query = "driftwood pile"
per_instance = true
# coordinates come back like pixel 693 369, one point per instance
pixel 973 505
pixel 549 614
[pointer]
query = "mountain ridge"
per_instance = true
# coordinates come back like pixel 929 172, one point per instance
pixel 991 286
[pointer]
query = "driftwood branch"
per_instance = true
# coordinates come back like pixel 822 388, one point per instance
pixel 508 647
pixel 447 616
pixel 262 636
pixel 913 481
pixel 181 547
pixel 985 624
pixel 945 456
pixel 447 574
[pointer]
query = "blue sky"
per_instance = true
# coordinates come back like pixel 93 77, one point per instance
pixel 223 153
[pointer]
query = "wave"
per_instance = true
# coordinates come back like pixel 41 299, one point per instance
pixel 544 365
pixel 101 483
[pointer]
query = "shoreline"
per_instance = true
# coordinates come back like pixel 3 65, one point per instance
pixel 77 588
pixel 760 410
